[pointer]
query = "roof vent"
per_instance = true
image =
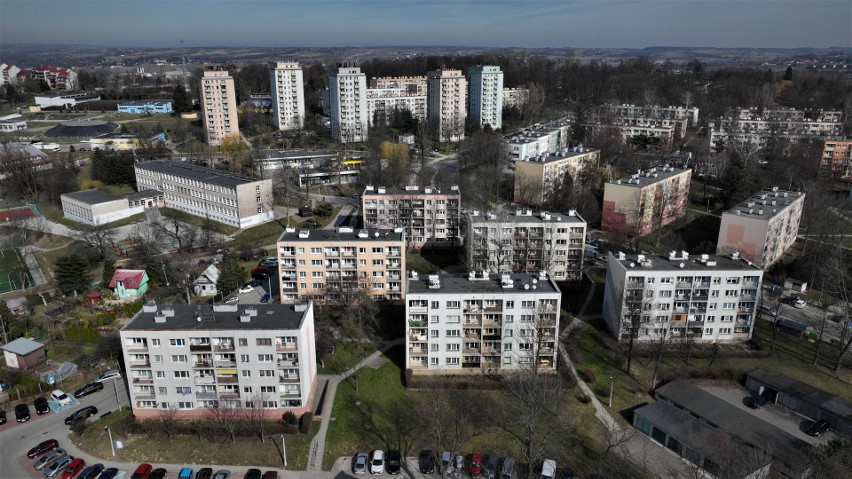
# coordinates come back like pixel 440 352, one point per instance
pixel 225 308
pixel 411 188
pixel 681 265
pixel 363 234
pixel 414 275
pixel 289 230
pixel 434 281
pixel 506 281
pixel 300 307
pixel 303 234
pixel 168 311
pixel 160 318
pixel 382 190
pixel 149 307
pixel 621 255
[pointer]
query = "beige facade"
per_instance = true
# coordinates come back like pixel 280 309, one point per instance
pixel 218 106
pixel 537 177
pixel 288 96
pixel 639 204
pixel 527 243
pixel 447 104
pixel 430 218
pixel 335 264
pixel 381 103
pixel 762 227
pixel 414 84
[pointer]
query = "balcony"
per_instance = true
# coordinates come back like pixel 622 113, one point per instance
pixel 208 396
pixel 288 363
pixel 227 379
pixel 417 351
pixel 140 364
pixel 203 364
pixel 229 396
pixel 288 378
pixel 223 347
pixel 204 380
pixel 471 351
pixel 143 395
pixel 417 309
pixel 200 347
pixel 143 380
pixel 137 348
pixel 286 347
pixel 417 323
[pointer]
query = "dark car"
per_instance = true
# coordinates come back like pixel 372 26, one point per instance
pixel 2 417
pixel 254 283
pixel 22 413
pixel 88 389
pixel 426 462
pixel 41 406
pixel 817 427
pixel 158 473
pixel 204 473
pixel 270 475
pixel 91 472
pixel 265 298
pixel 142 472
pixel 252 474
pixel 109 473
pixel 393 462
pixel 489 467
pixel 81 415
pixel 42 448
pixel 757 402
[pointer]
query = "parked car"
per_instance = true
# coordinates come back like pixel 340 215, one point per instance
pixel 2 417
pixel 110 375
pixel 48 458
pixel 799 303
pixel 769 310
pixel 142 471
pixel 222 474
pixel 3 385
pixel 817 427
pixel 91 472
pixel 393 463
pixel 475 468
pixel 88 389
pixel 377 462
pixel 158 473
pixel 426 462
pixel 22 413
pixel 186 473
pixel 61 398
pixel 446 464
pixel 270 475
pixel 265 298
pixel 247 288
pixel 252 474
pixel 507 471
pixel 57 465
pixel 73 468
pixel 41 406
pixel 489 467
pixel 109 473
pixel 204 473
pixel 254 283
pixel 234 300
pixel 756 402
pixel 360 464
pixel 42 447
pixel 548 468
pixel 81 415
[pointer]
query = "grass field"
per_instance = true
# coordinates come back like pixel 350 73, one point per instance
pixel 14 274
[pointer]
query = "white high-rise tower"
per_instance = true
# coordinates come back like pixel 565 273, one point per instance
pixel 288 96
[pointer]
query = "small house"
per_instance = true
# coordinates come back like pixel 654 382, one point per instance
pixel 129 283
pixel 24 353
pixel 800 287
pixel 205 284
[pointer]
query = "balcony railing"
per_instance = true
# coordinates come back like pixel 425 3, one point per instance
pixel 288 378
pixel 224 347
pixel 140 364
pixel 143 380
pixel 204 380
pixel 200 347
pixel 286 347
pixel 288 363
pixel 227 379
pixel 137 348
pixel 225 364
pixel 210 396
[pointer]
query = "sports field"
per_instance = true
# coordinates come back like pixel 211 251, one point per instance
pixel 14 274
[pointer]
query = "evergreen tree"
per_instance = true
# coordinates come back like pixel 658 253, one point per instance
pixel 231 276
pixel 788 75
pixel 71 274
pixel 108 269
pixel 7 316
pixel 181 102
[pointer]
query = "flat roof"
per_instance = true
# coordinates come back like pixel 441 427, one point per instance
pixel 340 234
pixel 219 317
pixel 683 426
pixel 141 195
pixel 692 263
pixel 561 155
pixel 735 421
pixel 144 103
pixel 572 218
pixel 766 203
pixel 198 173
pixel 643 178
pixel 834 404
pixel 22 346
pixel 461 283
pixel 292 154
pixel 92 197
pixel 382 191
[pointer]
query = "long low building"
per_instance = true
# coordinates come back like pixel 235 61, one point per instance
pixel 145 106
pixel 94 207
pixel 209 193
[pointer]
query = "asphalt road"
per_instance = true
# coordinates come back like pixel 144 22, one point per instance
pixel 812 317
pixel 17 438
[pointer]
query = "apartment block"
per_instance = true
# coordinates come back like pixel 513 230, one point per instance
pixel 645 201
pixel 477 323
pixel 485 98
pixel 334 264
pixel 678 118
pixel 414 84
pixel 763 226
pixel 447 104
pixel 288 96
pixel 701 298
pixel 218 106
pixel 758 126
pixel 347 97
pixel 515 97
pixel 382 103
pixel 526 243
pixel 835 161
pixel 429 217
pixel 268 161
pixel 536 178
pixel 209 193
pixel 542 138
pixel 196 358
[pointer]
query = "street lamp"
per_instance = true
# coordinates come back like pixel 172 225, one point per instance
pixel 115 389
pixel 284 450
pixel 611 382
pixel 111 444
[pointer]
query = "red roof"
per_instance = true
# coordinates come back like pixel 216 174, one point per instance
pixel 131 278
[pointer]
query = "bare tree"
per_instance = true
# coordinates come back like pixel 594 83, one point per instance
pixel 662 338
pixel 167 420
pixel 255 415
pixel 451 419
pixel 100 238
pixel 614 436
pixel 226 416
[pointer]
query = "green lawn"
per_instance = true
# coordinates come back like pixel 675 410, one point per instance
pixel 416 262
pixel 14 274
pixel 698 231
pixel 198 221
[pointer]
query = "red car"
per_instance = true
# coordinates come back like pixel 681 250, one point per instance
pixel 142 472
pixel 73 468
pixel 42 448
pixel 475 468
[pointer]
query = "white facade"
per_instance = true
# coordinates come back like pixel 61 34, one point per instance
pixel 755 126
pixel 192 359
pixel 349 115
pixel 381 102
pixel 288 96
pixel 476 323
pixel 707 297
pixel 447 104
pixel 485 102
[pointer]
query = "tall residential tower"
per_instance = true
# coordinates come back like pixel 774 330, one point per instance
pixel 347 88
pixel 288 96
pixel 485 100
pixel 446 92
pixel 218 106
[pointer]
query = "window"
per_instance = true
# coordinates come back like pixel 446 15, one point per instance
pixel 316 262
pixel 724 330
pixel 184 405
pixel 378 250
pixel 435 333
pixel 434 319
pixel 267 389
pixel 155 343
pixel 452 361
pixel 528 304
pixel 264 341
pixel 243 342
pixel 264 358
pixel 161 375
pixel 433 348
pixel 316 274
pixel 452 347
pixel 453 319
pixel 668 280
pixel 158 358
pixel 507 346
pixel 453 333
pixel 433 361
pixel 266 373
pixel 316 250
pixel 510 304
pixel 507 360
pixel 181 374
pixel 244 358
pixel 453 305
pixel 729 306
pixel 247 389
pixel 162 390
pixel 183 390
pixel 435 304
pixel 179 358
pixel 732 292
pixel 245 373
pixel 727 319
pixel 665 294
pixel 527 318
pixel 177 342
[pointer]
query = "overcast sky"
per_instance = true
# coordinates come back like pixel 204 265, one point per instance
pixel 487 23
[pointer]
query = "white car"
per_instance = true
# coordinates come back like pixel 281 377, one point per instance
pixel 799 304
pixel 108 376
pixel 377 463
pixel 246 289
pixel 234 300
pixel 60 397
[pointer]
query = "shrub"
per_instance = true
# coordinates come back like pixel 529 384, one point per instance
pixel 305 422
pixel 588 376
pixel 584 398
pixel 290 418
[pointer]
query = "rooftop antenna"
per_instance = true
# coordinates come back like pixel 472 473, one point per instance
pixel 183 58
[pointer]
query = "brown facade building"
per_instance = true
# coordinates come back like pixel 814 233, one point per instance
pixel 641 203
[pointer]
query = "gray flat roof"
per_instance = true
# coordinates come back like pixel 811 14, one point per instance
pixel 760 204
pixel 140 195
pixel 561 155
pixel 519 217
pixel 403 192
pixel 643 178
pixel 292 154
pixel 269 316
pixel 143 102
pixel 692 264
pixel 346 235
pixel 834 404
pixel 683 426
pixel 92 197
pixel 461 283
pixel 22 346
pixel 198 173
pixel 735 421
